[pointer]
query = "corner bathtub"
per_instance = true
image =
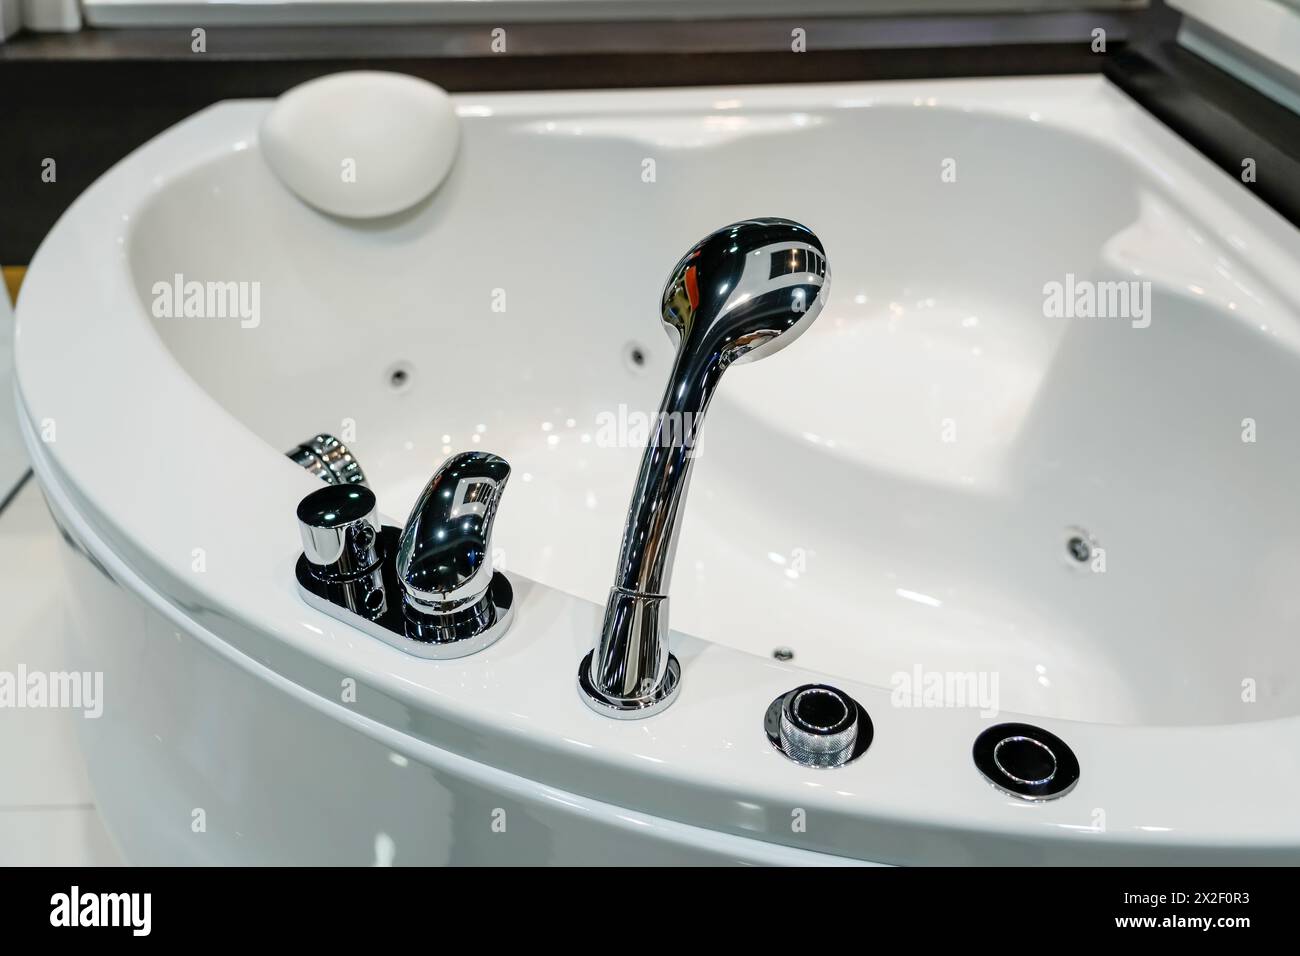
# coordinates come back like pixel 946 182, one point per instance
pixel 889 498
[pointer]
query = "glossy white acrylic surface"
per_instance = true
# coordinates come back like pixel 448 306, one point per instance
pixel 891 495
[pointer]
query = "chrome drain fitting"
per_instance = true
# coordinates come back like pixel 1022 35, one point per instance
pixel 1026 761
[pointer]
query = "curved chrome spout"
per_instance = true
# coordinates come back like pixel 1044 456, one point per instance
pixel 741 294
pixel 444 558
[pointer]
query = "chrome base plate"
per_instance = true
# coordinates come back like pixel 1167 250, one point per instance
pixel 629 708
pixel 379 611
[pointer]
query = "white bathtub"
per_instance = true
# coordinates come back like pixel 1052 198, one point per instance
pixel 953 431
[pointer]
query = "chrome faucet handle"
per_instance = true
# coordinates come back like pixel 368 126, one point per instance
pixel 450 591
pixel 741 294
pixel 329 460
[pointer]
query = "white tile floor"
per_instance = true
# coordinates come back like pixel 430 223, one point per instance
pixel 47 812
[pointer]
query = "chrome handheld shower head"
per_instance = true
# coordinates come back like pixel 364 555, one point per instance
pixel 740 294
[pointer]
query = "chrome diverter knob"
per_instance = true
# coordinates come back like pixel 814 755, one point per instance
pixel 818 726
